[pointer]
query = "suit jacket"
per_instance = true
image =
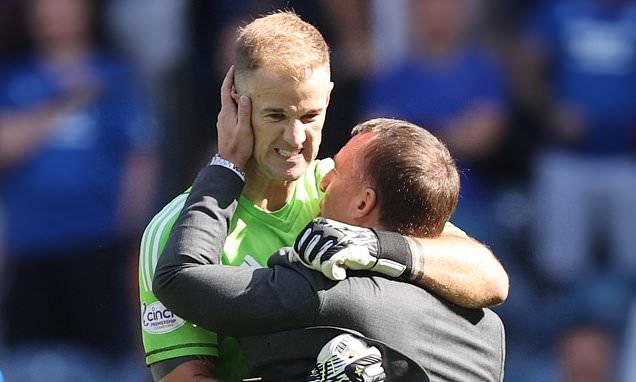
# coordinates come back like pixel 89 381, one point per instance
pixel 269 309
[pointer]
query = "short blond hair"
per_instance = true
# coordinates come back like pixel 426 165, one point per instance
pixel 281 42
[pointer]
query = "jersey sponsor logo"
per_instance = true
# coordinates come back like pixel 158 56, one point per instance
pixel 157 319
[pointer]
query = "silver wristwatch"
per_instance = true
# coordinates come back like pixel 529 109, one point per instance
pixel 218 161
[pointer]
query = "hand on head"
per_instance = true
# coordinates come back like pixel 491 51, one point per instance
pixel 234 127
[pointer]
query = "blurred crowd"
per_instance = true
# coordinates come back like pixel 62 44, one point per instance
pixel 108 109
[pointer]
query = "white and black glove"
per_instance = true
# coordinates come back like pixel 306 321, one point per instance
pixel 348 359
pixel 331 248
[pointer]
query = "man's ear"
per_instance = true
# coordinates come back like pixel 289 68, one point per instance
pixel 367 203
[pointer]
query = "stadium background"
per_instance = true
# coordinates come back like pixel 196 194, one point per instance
pixel 564 323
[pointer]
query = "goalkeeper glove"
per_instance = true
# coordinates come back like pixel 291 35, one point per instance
pixel 332 247
pixel 348 359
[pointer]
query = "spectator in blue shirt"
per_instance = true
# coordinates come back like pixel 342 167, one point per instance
pixel 584 80
pixel 455 88
pixel 580 75
pixel 77 176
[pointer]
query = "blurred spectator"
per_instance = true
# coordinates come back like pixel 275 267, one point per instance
pixel 578 75
pixel 389 45
pixel 77 171
pixel 151 32
pixel 155 36
pixel 454 87
pixel 345 25
pixel 581 75
pixel 587 354
pixel 588 329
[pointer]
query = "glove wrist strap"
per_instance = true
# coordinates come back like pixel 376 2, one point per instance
pixel 394 248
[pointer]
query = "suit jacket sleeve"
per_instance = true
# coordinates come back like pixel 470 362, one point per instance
pixel 239 301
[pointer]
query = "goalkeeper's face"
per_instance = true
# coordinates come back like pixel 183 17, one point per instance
pixel 287 119
pixel 346 191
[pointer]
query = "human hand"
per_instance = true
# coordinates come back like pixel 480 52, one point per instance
pixel 325 245
pixel 331 248
pixel 234 126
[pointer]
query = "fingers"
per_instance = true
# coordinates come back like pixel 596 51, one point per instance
pixel 228 81
pixel 282 258
pixel 334 268
pixel 226 89
pixel 245 114
pixel 335 272
pixel 309 253
pixel 234 94
pixel 302 238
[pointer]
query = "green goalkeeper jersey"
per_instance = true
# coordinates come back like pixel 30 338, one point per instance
pixel 254 236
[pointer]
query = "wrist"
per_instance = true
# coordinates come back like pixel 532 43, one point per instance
pixel 218 160
pixel 394 254
pixel 235 158
pixel 418 255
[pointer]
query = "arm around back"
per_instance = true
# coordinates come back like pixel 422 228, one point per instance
pixel 459 268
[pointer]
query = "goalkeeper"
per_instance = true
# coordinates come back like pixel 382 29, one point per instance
pixel 393 177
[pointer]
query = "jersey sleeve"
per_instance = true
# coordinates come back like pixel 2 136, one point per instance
pixel 164 334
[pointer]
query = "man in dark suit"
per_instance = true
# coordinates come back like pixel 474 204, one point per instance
pixel 392 177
